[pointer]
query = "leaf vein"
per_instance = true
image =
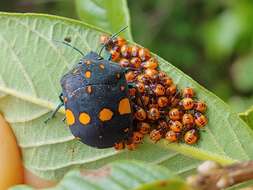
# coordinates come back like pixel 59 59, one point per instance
pixel 237 139
pixel 22 68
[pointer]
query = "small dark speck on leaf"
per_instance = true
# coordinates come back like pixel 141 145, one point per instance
pixel 67 39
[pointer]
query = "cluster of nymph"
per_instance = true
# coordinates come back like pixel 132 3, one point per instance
pixel 160 109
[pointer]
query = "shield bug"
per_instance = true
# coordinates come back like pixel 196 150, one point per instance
pixel 96 100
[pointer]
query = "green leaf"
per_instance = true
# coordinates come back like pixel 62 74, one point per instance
pixel 242 73
pixel 110 15
pixel 123 175
pixel 240 104
pixel 247 116
pixel 31 67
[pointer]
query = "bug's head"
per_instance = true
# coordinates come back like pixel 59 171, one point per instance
pixel 110 40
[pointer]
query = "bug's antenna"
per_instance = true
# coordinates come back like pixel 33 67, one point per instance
pixel 111 38
pixel 67 44
pixel 117 33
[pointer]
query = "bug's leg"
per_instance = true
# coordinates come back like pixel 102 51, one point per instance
pixel 56 109
pixel 138 94
pixel 54 112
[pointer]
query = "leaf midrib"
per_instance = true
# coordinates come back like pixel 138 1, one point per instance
pixel 186 150
pixel 196 153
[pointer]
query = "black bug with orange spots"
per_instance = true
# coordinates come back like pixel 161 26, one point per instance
pixel 97 107
pixel 95 95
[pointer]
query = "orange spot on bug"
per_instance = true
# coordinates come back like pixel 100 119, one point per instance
pixel 102 66
pixel 89 89
pixel 124 106
pixel 84 118
pixel 70 117
pixel 105 114
pixel 87 74
pixel 118 76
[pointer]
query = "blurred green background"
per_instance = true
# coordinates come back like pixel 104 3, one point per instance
pixel 210 40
